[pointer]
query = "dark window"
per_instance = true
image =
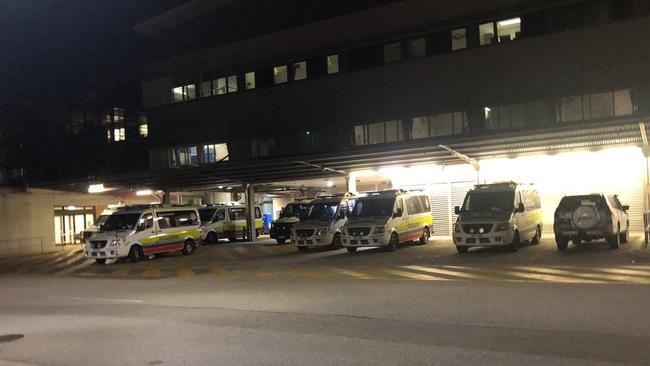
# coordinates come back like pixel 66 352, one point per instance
pixel 416 48
pixel 363 58
pixel 439 43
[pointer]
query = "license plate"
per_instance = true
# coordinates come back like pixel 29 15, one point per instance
pixel 94 254
pixel 282 237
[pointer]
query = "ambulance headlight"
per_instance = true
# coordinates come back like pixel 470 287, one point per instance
pixel 321 231
pixel 380 229
pixel 116 242
pixel 503 227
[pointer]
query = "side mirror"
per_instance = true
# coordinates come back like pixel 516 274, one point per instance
pixel 626 208
pixel 457 210
pixel 141 227
pixel 341 215
pixel 520 208
pixel 398 213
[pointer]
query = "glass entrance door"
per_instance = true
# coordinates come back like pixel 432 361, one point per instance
pixel 70 222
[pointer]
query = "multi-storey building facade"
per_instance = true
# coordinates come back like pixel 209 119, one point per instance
pixel 388 85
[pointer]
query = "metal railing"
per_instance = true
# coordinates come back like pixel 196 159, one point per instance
pixel 21 246
pixel 646 229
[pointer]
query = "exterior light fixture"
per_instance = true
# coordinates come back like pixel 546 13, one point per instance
pixel 144 192
pixel 96 188
pixel 330 183
pixel 507 22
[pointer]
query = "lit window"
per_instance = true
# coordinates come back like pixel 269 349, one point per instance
pixel 206 89
pixel 486 33
pixel 108 135
pixel 420 128
pixel 232 84
pixel 360 135
pixel 299 71
pixel 118 115
pixel 393 131
pixel 280 75
pixel 178 94
pixel 220 86
pixel 508 29
pixel 623 103
pixel 250 80
pixel 458 39
pixel 376 133
pixel 119 134
pixel 190 92
pixel 144 130
pixel 392 52
pixel 416 48
pixel 215 153
pixel 332 64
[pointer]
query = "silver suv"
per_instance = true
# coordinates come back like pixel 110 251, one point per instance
pixel 589 217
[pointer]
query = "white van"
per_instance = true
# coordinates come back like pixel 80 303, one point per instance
pixel 387 219
pixel 323 224
pixel 227 222
pixel 499 214
pixel 136 233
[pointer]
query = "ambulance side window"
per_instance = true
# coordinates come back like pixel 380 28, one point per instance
pixel 399 205
pixel 221 215
pixel 147 220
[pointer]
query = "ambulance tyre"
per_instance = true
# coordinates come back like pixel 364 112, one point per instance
pixel 188 247
pixel 100 260
pixel 136 254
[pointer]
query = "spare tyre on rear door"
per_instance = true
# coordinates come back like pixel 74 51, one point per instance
pixel 590 217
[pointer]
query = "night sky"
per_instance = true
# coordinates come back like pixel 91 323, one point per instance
pixel 53 47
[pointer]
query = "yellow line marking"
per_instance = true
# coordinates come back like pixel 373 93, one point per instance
pixel 577 273
pixel 183 269
pixel 256 271
pixel 623 271
pixel 60 264
pixel 305 273
pixel 121 271
pixel 153 269
pixel 355 274
pixel 220 272
pixel 415 276
pixel 541 277
pixel 75 268
pixel 447 272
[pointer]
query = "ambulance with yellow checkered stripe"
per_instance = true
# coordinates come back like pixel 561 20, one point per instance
pixel 137 232
pixel 388 219
pixel 227 221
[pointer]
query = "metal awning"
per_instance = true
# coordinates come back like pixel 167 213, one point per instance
pixel 557 139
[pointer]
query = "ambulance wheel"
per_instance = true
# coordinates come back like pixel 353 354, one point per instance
pixel 281 241
pixel 136 254
pixel 336 242
pixel 303 249
pixel 424 239
pixel 462 250
pixel 393 243
pixel 101 260
pixel 351 249
pixel 188 247
pixel 212 238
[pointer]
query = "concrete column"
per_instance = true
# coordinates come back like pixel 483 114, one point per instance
pixel 250 212
pixel 351 181
pixel 166 198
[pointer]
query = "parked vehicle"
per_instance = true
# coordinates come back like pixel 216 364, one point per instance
pixel 92 230
pixel 589 217
pixel 139 232
pixel 387 219
pixel 500 214
pixel 323 224
pixel 227 222
pixel 290 215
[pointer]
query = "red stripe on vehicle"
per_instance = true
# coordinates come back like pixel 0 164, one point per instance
pixel 163 248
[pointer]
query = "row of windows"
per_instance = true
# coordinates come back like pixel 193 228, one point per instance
pixel 197 155
pixel 80 119
pixel 595 106
pixel 119 134
pixel 411 129
pixel 486 33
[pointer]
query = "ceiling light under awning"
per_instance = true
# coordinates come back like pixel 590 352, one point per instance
pixel 507 22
